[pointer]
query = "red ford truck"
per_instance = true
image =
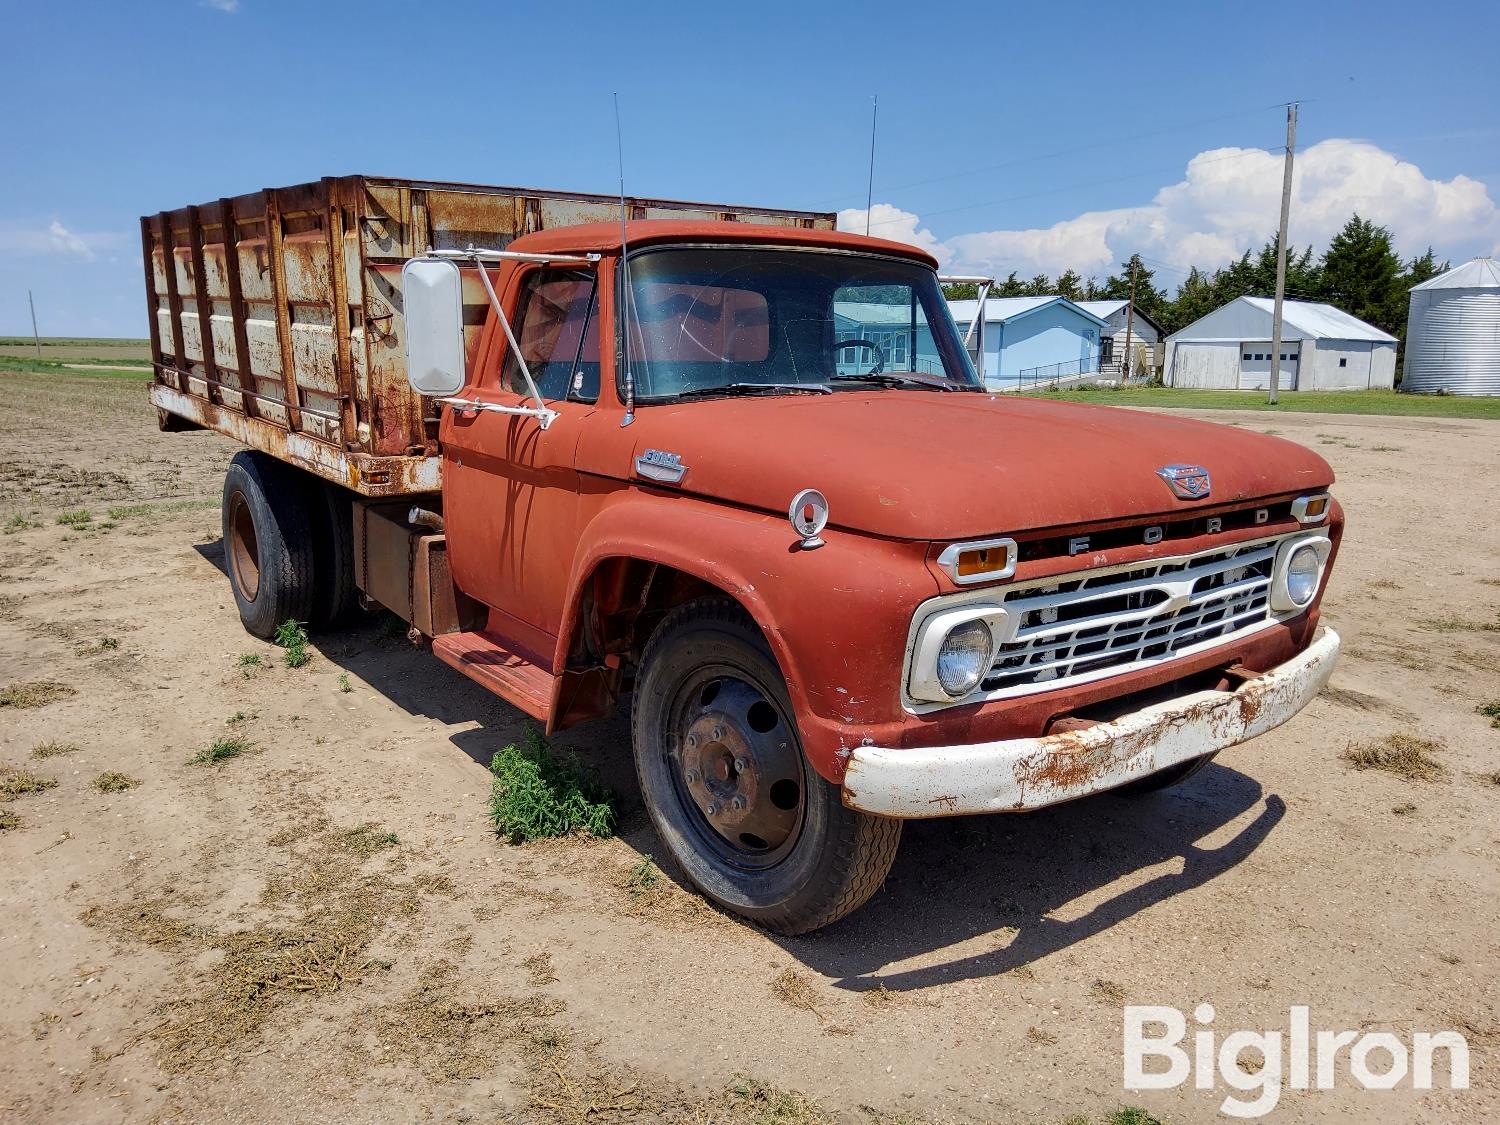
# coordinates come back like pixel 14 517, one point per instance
pixel 737 467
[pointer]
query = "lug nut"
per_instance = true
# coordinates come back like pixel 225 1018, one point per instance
pixel 692 741
pixel 691 777
pixel 741 765
pixel 738 804
pixel 717 734
pixel 714 809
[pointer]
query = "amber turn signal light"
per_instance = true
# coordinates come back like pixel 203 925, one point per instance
pixel 1310 509
pixel 984 561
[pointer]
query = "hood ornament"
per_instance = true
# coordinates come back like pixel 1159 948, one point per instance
pixel 809 516
pixel 1187 482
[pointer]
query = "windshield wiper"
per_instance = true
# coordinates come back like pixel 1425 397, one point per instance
pixel 749 389
pixel 886 379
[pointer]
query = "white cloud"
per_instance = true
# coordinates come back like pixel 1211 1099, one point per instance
pixel 57 241
pixel 65 241
pixel 1227 202
pixel 230 6
pixel 893 223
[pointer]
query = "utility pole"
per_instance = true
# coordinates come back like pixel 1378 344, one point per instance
pixel 1129 325
pixel 1286 206
pixel 37 340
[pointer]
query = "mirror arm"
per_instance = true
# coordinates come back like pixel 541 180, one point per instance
pixel 543 414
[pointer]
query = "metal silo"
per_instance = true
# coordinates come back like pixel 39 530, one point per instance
pixel 1453 332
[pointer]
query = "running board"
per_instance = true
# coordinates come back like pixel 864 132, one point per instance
pixel 512 677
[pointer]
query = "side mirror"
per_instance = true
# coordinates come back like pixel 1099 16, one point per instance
pixel 432 299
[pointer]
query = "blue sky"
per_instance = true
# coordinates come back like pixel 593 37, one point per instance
pixel 1010 137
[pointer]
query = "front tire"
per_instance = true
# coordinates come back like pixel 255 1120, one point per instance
pixel 267 544
pixel 728 788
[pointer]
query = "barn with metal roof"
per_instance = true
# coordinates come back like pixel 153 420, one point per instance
pixel 1322 349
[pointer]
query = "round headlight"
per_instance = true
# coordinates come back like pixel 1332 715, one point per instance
pixel 1302 576
pixel 963 657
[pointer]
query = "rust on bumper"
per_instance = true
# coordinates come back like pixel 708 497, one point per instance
pixel 1029 773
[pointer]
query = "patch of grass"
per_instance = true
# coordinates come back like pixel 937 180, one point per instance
pixel 537 794
pixel 1131 1115
pixel 221 750
pixel 1491 711
pixel 103 644
pixel 367 839
pixel 79 518
pixel 1108 991
pixel 1492 778
pixel 35 693
pixel 1406 808
pixel 9 821
pixel 795 991
pixel 22 783
pixel 643 876
pixel 239 717
pixel 54 749
pixel 292 638
pixel 1451 624
pixel 113 781
pixel 1408 756
pixel 539 967
pixel 767 1105
pixel 1290 402
pixel 20 522
pixel 344 685
pixel 171 507
pixel 1039 1037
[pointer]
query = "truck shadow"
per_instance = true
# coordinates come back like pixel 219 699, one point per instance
pixel 999 891
pixel 1017 888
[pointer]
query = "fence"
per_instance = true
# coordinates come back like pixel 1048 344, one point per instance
pixel 1053 373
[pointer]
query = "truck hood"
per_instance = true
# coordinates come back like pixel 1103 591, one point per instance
pixel 926 465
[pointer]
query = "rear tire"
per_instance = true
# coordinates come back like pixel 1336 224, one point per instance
pixel 1164 779
pixel 332 517
pixel 728 788
pixel 267 542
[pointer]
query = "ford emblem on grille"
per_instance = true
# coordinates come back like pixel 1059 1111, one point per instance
pixel 1187 482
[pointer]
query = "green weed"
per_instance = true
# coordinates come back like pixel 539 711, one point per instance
pixel 537 795
pixel 292 638
pixel 36 693
pixel 54 749
pixel 221 750
pixel 20 783
pixel 20 522
pixel 643 876
pixel 114 782
pixel 1491 711
pixel 80 518
pixel 344 685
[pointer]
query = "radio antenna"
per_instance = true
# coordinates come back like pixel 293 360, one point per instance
pixel 870 185
pixel 629 381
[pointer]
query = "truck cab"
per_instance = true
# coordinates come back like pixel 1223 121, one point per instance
pixel 745 480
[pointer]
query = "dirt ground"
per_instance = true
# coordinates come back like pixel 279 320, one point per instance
pixel 324 928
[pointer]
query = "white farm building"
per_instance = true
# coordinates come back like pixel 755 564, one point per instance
pixel 1322 349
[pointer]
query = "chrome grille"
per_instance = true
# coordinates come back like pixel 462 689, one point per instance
pixel 1090 626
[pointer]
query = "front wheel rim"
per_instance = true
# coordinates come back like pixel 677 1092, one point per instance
pixel 737 771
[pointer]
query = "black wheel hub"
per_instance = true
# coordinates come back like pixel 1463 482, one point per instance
pixel 740 768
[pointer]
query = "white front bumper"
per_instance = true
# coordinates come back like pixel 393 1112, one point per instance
pixel 1029 773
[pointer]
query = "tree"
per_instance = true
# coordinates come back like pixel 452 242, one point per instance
pixel 1148 298
pixel 1038 286
pixel 1070 285
pixel 1362 275
pixel 1012 286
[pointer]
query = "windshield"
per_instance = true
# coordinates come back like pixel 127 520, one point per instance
pixel 731 320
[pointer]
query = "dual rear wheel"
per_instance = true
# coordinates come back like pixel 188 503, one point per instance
pixel 288 545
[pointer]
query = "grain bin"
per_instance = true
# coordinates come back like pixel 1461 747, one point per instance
pixel 1453 332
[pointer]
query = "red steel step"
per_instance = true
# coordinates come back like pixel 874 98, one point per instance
pixel 512 677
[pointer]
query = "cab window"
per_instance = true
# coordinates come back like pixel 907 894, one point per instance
pixel 556 325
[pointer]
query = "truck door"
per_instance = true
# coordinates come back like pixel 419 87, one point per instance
pixel 511 489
